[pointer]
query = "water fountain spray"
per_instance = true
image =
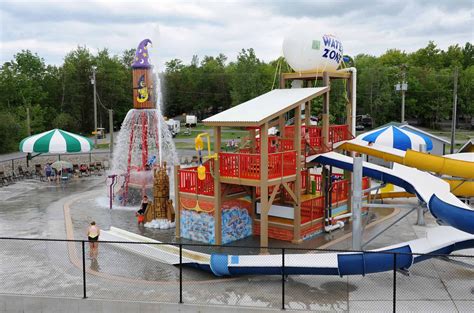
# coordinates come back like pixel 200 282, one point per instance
pixel 144 139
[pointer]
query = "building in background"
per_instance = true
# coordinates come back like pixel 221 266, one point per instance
pixel 467 147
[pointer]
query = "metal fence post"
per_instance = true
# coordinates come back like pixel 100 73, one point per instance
pixel 180 273
pixel 394 282
pixel 84 269
pixel 283 278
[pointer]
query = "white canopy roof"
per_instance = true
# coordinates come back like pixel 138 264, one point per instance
pixel 263 108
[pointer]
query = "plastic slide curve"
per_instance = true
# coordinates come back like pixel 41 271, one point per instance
pixel 423 161
pixel 440 240
pixel 152 249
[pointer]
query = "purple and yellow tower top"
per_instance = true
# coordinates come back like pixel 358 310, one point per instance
pixel 143 97
pixel 142 57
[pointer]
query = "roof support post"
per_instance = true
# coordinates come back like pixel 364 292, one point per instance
pixel 282 81
pixel 349 105
pixel 281 125
pixel 357 203
pixel 177 203
pixel 297 204
pixel 253 142
pixel 264 188
pixel 307 117
pixel 217 189
pixel 325 115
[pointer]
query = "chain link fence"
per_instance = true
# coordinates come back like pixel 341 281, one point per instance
pixel 63 268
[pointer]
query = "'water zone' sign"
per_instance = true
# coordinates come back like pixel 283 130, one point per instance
pixel 332 48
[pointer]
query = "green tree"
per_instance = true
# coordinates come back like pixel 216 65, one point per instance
pixel 78 100
pixel 64 121
pixel 249 77
pixel 11 132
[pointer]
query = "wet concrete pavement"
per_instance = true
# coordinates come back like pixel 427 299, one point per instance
pixel 35 210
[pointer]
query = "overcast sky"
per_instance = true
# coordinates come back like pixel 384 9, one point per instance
pixel 180 29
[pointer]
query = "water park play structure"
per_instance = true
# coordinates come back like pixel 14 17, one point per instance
pixel 293 185
pixel 144 141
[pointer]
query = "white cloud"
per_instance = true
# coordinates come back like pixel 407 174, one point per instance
pixel 181 29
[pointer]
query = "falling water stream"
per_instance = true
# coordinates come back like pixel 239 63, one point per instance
pixel 144 137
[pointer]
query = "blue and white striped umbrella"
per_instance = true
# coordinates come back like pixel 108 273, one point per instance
pixel 398 138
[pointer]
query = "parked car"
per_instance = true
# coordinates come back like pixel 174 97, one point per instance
pixel 364 120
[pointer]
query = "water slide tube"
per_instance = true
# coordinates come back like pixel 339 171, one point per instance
pixel 443 165
pixel 428 188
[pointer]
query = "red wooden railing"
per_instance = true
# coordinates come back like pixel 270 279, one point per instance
pixel 336 132
pixel 339 133
pixel 314 131
pixel 315 141
pixel 246 165
pixel 189 182
pixel 313 208
pixel 339 191
pixel 280 164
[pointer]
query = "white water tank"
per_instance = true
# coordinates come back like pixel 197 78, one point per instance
pixel 312 51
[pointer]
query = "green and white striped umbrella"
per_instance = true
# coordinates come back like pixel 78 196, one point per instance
pixel 56 141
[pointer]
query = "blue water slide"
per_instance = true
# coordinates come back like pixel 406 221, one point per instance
pixel 452 212
pixel 443 240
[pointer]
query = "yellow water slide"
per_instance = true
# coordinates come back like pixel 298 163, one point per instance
pixel 462 171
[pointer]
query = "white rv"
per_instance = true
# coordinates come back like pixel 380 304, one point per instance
pixel 191 120
pixel 174 126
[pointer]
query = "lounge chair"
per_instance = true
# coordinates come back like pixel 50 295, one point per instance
pixel 92 168
pixel 98 165
pixel 25 174
pixel 4 179
pixel 75 170
pixel 39 172
pixel 84 170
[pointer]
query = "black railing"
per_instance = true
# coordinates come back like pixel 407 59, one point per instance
pixel 56 267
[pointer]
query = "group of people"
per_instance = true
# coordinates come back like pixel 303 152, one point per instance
pixel 231 145
pixel 51 173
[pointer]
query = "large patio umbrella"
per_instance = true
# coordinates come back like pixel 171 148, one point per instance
pixel 399 138
pixel 56 141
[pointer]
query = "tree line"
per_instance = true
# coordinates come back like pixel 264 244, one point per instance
pixel 62 96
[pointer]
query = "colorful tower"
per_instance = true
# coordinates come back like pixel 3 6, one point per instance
pixel 143 127
pixel 143 97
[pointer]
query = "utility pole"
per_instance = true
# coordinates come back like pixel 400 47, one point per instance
pixel 93 82
pixel 403 96
pixel 28 121
pixel 111 130
pixel 455 104
pixel 403 86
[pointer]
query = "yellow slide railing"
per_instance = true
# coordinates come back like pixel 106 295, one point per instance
pixel 426 162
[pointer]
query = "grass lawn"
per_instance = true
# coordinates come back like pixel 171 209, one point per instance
pixel 102 146
pixel 189 145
